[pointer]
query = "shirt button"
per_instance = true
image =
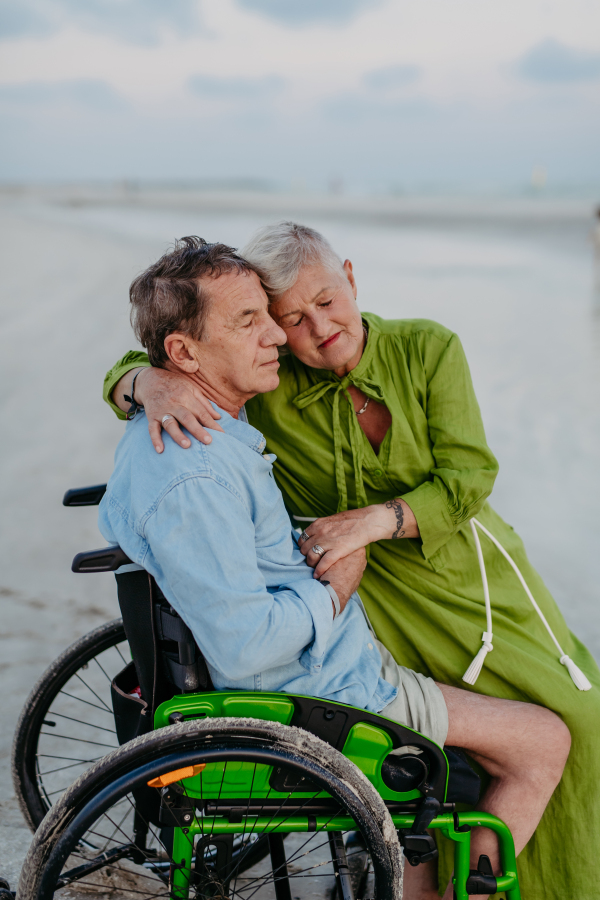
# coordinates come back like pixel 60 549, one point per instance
pixel 378 472
pixel 370 646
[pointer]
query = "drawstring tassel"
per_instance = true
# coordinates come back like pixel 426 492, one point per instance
pixel 576 674
pixel 579 679
pixel 474 670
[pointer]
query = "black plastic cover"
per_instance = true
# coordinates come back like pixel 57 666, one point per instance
pixel 107 559
pixel 85 496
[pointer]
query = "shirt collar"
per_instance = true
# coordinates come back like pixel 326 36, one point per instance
pixel 240 429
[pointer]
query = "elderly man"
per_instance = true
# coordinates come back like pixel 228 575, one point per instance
pixel 210 525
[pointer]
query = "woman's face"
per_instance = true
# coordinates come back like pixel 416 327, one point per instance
pixel 321 320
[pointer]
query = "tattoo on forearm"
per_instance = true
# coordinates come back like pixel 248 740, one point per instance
pixel 396 505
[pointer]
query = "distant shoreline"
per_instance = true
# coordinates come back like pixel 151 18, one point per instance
pixel 535 212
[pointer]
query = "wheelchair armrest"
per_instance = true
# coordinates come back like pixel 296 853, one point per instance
pixel 86 496
pixel 107 559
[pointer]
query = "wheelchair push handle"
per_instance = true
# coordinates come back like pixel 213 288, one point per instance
pixel 85 496
pixel 107 559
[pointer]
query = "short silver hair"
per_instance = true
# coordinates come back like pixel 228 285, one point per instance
pixel 280 251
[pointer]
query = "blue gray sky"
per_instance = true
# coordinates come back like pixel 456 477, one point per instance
pixel 377 94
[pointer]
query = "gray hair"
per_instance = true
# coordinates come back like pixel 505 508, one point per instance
pixel 168 296
pixel 280 251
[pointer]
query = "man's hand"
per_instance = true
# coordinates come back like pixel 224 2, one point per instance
pixel 344 576
pixel 164 393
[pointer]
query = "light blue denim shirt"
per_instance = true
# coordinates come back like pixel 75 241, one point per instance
pixel 210 525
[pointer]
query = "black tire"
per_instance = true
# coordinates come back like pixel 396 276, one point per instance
pixel 95 819
pixel 105 651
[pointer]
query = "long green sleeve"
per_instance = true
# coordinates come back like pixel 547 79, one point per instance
pixel 464 469
pixel 132 360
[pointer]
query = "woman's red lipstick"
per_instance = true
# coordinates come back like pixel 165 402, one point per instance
pixel 329 341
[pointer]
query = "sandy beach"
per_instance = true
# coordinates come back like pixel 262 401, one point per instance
pixel 513 277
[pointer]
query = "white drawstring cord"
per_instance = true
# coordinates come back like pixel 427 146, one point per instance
pixel 474 669
pixel 472 673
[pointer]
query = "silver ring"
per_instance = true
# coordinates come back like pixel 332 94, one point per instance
pixel 318 550
pixel 164 419
pixel 304 536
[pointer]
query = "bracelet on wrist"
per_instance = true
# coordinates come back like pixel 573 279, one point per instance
pixel 133 409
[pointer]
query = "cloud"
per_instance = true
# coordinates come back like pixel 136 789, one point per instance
pixel 90 94
pixel 309 12
pixel 135 21
pixel 391 77
pixel 212 88
pixel 552 62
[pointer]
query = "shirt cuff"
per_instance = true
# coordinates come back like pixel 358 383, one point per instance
pixel 436 525
pixel 335 599
pixel 317 599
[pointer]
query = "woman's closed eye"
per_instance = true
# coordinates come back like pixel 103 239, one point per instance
pixel 321 305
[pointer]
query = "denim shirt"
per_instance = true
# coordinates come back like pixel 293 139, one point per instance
pixel 210 525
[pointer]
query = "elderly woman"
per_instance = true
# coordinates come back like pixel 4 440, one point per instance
pixel 380 444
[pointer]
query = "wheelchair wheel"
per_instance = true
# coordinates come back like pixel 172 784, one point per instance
pixel 67 722
pixel 158 818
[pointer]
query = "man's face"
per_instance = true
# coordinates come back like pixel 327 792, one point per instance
pixel 238 352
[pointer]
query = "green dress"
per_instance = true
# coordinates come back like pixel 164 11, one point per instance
pixel 424 596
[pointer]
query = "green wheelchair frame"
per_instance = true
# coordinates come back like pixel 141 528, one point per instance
pixel 367 744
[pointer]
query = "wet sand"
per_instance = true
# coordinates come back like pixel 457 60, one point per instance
pixel 518 291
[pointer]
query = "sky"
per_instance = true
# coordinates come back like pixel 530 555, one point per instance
pixel 359 95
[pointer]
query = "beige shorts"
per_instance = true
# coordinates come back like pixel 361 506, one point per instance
pixel 419 703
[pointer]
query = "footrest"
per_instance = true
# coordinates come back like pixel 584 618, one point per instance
pixel 418 848
pixel 481 880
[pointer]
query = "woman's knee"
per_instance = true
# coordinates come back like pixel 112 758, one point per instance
pixel 548 742
pixel 557 739
pixel 510 735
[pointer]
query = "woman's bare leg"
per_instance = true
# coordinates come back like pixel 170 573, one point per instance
pixel 524 748
pixel 421 882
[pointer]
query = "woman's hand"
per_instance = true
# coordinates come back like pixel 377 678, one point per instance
pixel 342 534
pixel 163 393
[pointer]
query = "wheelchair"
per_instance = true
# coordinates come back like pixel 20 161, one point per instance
pixel 182 791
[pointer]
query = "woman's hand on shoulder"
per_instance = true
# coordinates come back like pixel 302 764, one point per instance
pixel 163 393
pixel 340 535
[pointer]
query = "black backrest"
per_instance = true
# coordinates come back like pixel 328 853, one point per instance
pixel 166 656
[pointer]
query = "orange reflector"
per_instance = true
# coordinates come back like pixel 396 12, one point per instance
pixel 176 775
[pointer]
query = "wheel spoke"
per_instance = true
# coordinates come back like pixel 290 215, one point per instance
pixel 77 675
pixel 101 667
pixel 103 709
pixel 71 758
pixel 60 769
pixel 79 722
pixel 68 737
